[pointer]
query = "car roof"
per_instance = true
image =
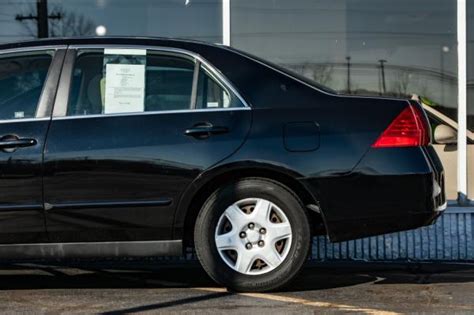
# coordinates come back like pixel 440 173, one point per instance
pixel 243 78
pixel 108 40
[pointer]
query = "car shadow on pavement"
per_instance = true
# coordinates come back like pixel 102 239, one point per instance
pixel 174 303
pixel 169 276
pixel 315 276
pixel 320 276
pixel 115 275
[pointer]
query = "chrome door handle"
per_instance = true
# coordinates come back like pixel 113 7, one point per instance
pixel 10 143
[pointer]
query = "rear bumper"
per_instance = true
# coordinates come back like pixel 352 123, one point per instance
pixel 390 190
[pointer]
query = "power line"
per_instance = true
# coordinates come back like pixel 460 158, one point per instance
pixel 11 35
pixel 348 58
pixel 382 69
pixel 41 18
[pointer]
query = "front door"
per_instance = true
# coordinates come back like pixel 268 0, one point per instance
pixel 24 120
pixel 136 129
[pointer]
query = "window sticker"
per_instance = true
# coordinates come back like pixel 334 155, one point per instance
pixel 123 84
pixel 124 88
pixel 125 52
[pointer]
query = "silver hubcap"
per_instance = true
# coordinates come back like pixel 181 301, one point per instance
pixel 253 236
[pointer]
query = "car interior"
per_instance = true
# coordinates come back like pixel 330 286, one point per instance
pixel 168 86
pixel 25 96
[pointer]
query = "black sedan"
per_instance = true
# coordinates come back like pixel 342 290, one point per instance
pixel 119 147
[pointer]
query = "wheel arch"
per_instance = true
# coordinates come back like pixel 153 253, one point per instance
pixel 198 192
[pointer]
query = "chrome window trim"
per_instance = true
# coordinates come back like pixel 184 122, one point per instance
pixel 21 120
pixel 218 76
pixel 31 49
pixel 159 112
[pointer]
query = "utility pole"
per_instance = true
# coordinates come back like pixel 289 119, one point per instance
pixel 42 13
pixel 348 74
pixel 444 50
pixel 382 71
pixel 41 18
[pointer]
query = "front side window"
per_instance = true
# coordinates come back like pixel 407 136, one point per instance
pixel 22 78
pixel 112 81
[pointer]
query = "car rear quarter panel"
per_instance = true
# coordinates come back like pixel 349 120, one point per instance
pixel 347 125
pixel 361 191
pixel 347 128
pixel 346 131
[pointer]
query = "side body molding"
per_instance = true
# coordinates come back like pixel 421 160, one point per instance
pixel 91 250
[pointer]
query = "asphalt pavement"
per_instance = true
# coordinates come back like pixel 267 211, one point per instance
pixel 136 287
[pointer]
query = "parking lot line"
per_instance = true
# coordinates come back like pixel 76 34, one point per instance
pixel 305 302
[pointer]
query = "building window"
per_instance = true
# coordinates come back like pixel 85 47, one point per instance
pixel 196 19
pixel 364 47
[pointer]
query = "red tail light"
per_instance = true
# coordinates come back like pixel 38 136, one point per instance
pixel 409 129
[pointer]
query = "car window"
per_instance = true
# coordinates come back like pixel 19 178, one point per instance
pixel 129 81
pixel 211 94
pixel 22 77
pixel 109 81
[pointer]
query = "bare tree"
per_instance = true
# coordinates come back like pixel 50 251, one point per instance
pixel 401 83
pixel 322 73
pixel 69 24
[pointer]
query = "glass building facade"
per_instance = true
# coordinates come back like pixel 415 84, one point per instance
pixel 196 19
pixel 365 47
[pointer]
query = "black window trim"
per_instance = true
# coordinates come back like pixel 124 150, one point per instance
pixel 62 95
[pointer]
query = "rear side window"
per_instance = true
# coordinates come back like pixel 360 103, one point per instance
pixel 211 94
pixel 169 82
pixel 22 77
pixel 114 81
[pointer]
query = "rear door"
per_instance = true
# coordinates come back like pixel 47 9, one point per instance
pixel 28 82
pixel 132 128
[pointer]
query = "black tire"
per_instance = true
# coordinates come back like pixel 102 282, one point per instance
pixel 207 221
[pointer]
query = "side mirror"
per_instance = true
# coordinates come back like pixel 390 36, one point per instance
pixel 445 135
